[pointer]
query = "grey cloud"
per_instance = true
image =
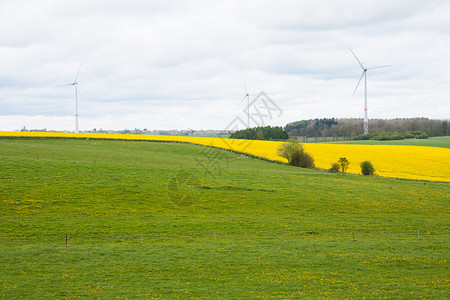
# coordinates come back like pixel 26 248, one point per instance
pixel 187 60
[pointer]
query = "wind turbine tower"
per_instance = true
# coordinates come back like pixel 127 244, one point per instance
pixel 248 104
pixel 364 73
pixel 75 85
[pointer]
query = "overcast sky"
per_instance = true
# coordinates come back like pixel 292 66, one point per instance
pixel 182 64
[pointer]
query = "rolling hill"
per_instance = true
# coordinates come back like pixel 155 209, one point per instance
pixel 172 220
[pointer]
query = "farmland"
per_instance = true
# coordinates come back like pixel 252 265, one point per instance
pixel 438 141
pixel 171 220
pixel 396 161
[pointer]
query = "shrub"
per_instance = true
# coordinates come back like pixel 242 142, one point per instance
pixel 304 160
pixel 367 168
pixel 422 136
pixel 334 168
pixel 367 136
pixel 415 133
pixel 390 136
pixel 293 151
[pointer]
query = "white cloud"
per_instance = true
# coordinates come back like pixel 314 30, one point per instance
pixel 181 64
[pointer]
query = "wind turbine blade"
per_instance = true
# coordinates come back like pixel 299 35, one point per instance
pixel 362 67
pixel 358 82
pixel 77 73
pixel 245 86
pixel 243 98
pixel 79 93
pixel 379 67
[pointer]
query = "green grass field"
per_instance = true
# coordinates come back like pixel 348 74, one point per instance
pixel 438 141
pixel 171 220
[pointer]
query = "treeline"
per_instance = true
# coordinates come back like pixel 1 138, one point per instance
pixel 261 133
pixel 349 128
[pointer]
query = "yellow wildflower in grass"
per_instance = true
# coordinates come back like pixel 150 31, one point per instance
pixel 408 162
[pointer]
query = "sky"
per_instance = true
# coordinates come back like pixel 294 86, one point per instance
pixel 164 65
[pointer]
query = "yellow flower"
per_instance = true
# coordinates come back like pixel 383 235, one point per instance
pixel 408 162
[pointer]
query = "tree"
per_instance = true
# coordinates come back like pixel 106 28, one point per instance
pixel 367 168
pixel 348 128
pixel 289 150
pixel 261 133
pixel 293 151
pixel 344 163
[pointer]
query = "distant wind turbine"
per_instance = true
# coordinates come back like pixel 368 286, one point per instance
pixel 75 85
pixel 248 105
pixel 364 73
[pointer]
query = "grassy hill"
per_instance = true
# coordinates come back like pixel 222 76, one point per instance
pixel 170 220
pixel 394 161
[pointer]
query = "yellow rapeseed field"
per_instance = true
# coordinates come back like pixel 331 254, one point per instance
pixel 407 162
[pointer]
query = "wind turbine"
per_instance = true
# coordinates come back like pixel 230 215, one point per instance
pixel 75 85
pixel 248 104
pixel 364 73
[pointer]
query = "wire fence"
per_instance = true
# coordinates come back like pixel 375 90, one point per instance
pixel 148 238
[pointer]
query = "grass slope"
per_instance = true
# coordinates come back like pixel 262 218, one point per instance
pixel 213 224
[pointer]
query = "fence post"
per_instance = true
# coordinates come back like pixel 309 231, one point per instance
pixel 66 239
pixel 215 239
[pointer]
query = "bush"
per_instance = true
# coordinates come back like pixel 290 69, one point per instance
pixel 304 160
pixel 367 136
pixel 335 167
pixel 422 136
pixel 415 133
pixel 390 136
pixel 367 168
pixel 387 136
pixel 293 151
